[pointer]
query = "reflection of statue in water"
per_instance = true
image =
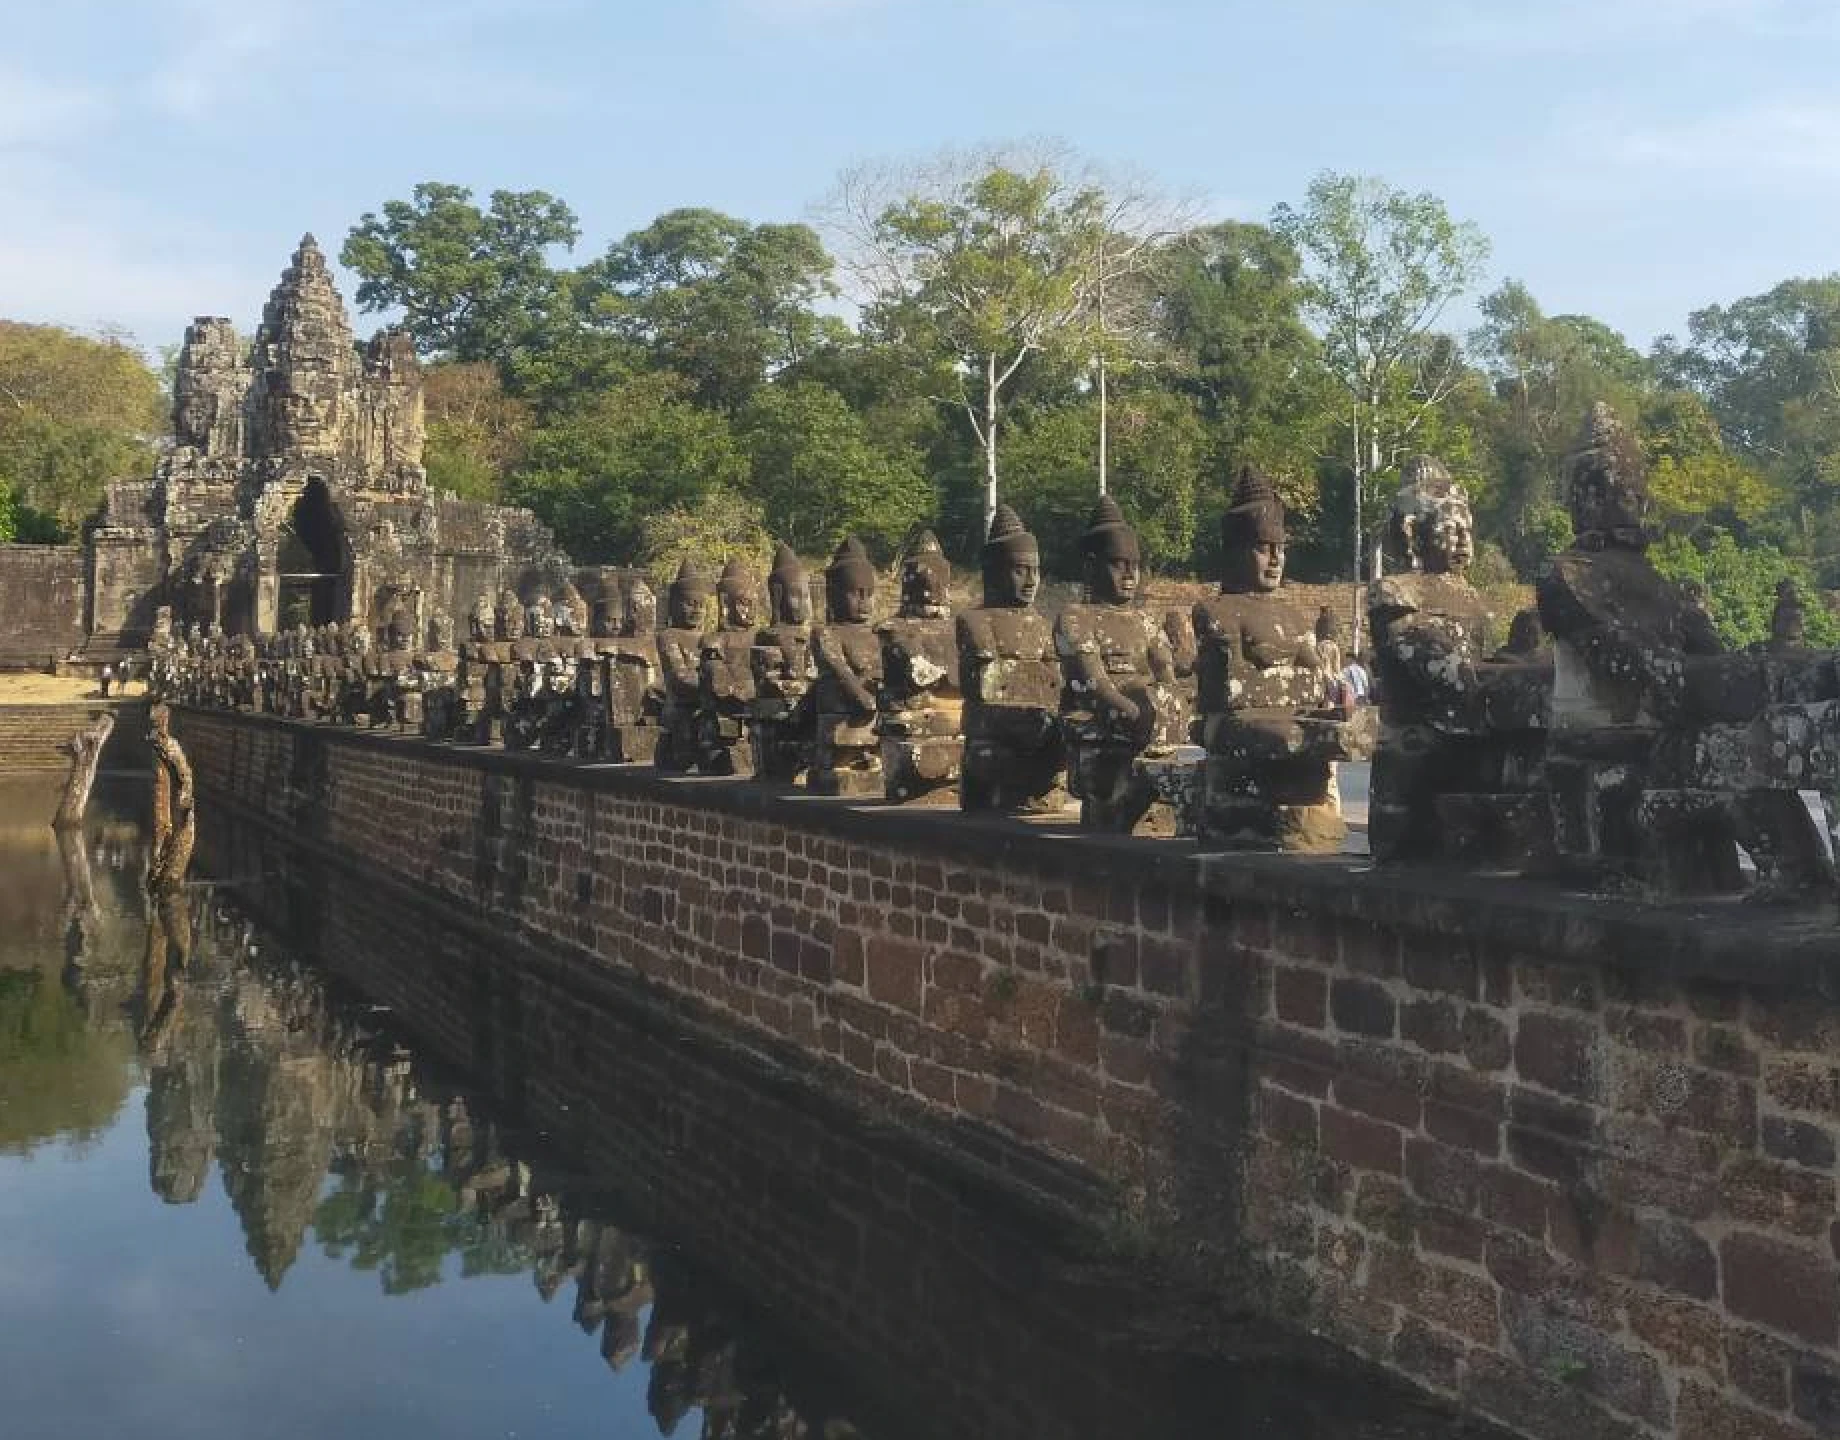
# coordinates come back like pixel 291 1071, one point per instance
pixel 169 944
pixel 81 916
pixel 174 826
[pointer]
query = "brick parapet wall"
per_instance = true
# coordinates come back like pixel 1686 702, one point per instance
pixel 1569 1161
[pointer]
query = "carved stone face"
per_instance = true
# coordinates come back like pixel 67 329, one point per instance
pixel 851 597
pixel 1112 573
pixel 791 601
pixel 686 609
pixel 1446 539
pixel 1257 568
pixel 738 609
pixel 640 614
pixel 540 622
pixel 1602 502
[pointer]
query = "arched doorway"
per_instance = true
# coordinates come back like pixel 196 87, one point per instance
pixel 310 561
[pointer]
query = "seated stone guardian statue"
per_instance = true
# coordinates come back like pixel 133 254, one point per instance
pixel 847 655
pixel 1271 723
pixel 1462 737
pixel 1118 701
pixel 727 674
pixel 635 688
pixel 680 658
pixel 1015 757
pixel 781 726
pixel 1665 756
pixel 436 669
pixel 920 706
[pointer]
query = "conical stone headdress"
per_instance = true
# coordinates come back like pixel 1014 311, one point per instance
pixel 1106 527
pixel 851 562
pixel 924 554
pixel 1256 515
pixel 1008 538
pixel 690 584
pixel 787 568
pixel 736 579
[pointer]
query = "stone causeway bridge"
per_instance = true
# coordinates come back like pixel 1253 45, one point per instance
pixel 1566 1160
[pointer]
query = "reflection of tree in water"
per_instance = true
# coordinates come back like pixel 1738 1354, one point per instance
pixel 63 1078
pixel 316 1118
pixel 402 1214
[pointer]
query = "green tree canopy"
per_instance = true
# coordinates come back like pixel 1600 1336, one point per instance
pixel 75 413
pixel 723 303
pixel 1379 267
pixel 818 476
pixel 472 284
pixel 596 469
pixel 1159 457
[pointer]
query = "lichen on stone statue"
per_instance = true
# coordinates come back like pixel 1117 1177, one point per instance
pixel 919 705
pixel 1457 768
pixel 847 656
pixel 1118 701
pixel 1015 755
pixel 1666 756
pixel 1269 720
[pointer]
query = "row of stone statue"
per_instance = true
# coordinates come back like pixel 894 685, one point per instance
pixel 1625 747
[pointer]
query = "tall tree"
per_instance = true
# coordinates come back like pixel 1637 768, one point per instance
pixel 75 413
pixel 819 475
pixel 596 469
pixel 1546 371
pixel 477 433
pixel 982 268
pixel 472 284
pixel 1229 311
pixel 1768 366
pixel 1380 266
pixel 724 303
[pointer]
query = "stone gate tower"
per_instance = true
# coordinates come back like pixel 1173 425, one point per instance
pixel 293 488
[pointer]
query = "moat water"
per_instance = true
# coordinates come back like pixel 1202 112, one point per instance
pixel 241 1196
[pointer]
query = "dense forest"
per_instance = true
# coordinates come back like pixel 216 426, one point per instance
pixel 1017 325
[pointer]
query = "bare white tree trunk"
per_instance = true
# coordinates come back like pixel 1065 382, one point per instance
pixel 991 387
pixel 1103 427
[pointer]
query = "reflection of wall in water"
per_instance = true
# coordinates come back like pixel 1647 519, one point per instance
pixel 289 1089
pixel 959 1314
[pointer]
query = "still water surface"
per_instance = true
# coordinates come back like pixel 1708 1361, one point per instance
pixel 236 1199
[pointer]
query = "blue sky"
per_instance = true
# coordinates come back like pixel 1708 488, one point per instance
pixel 1633 159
